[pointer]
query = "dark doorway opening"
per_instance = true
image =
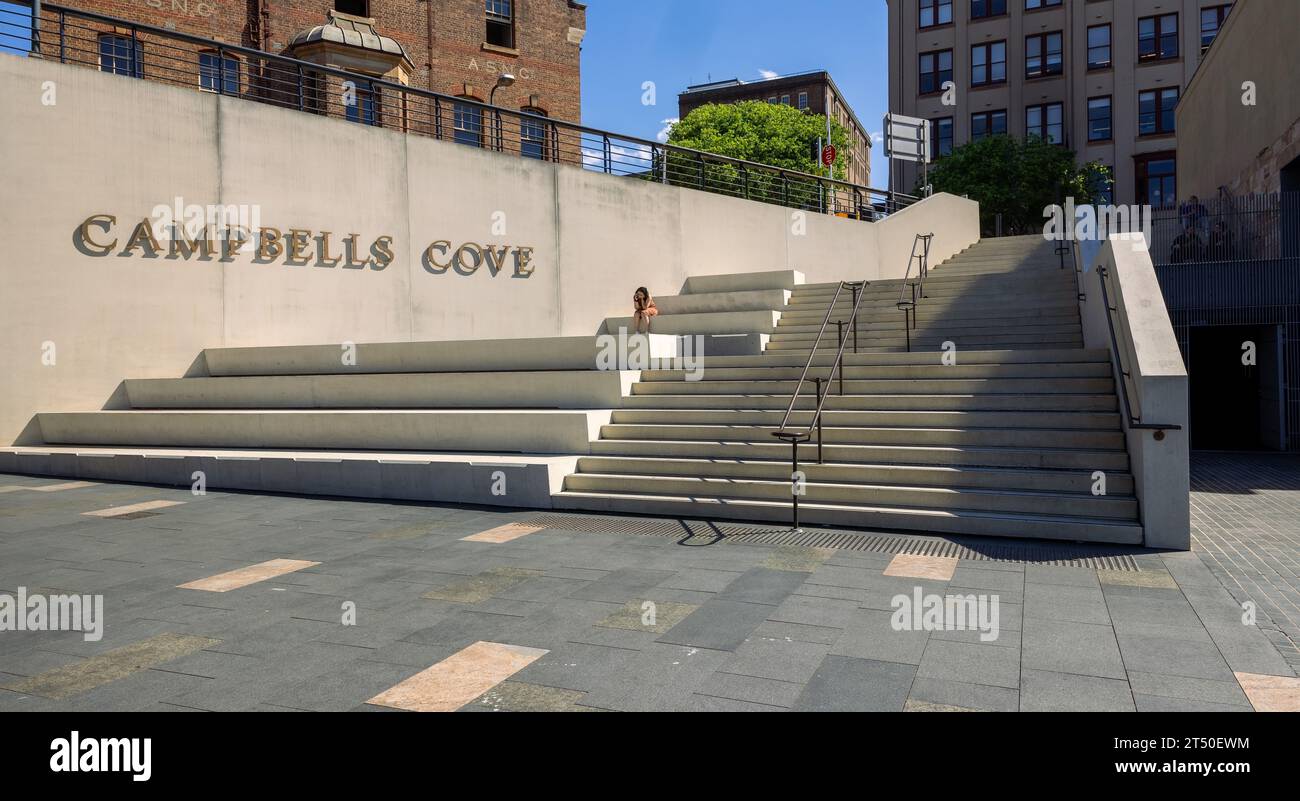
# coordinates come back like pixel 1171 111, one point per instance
pixel 1235 405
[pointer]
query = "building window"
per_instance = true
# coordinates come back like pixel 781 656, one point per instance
pixel 362 106
pixel 357 8
pixel 1043 55
pixel 803 101
pixel 936 70
pixel 467 124
pixel 988 63
pixel 987 123
pixel 1156 111
pixel 785 100
pixel 1030 5
pixel 940 137
pixel 1157 180
pixel 1099 47
pixel 500 23
pixel 218 73
pixel 1158 37
pixel 772 100
pixel 1099 119
pixel 120 56
pixel 532 135
pixel 1047 122
pixel 979 9
pixel 935 12
pixel 1211 21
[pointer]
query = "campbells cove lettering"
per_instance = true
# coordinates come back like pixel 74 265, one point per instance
pixel 98 235
pixel 466 259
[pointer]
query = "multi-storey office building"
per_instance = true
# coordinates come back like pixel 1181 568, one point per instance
pixel 1101 77
pixel 813 92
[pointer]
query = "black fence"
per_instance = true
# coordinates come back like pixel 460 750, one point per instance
pixel 1227 229
pixel 134 50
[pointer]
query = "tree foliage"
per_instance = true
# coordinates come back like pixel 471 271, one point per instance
pixel 1017 179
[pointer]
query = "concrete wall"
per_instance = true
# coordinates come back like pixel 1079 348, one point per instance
pixel 1157 389
pixel 1221 140
pixel 114 145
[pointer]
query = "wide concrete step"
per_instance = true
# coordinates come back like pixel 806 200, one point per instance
pixel 901 403
pixel 957 327
pixel 743 282
pixel 775 450
pixel 731 322
pixel 1060 356
pixel 705 302
pixel 851 372
pixel 1104 421
pixel 480 430
pixel 1118 484
pixel 994 296
pixel 890 314
pixel 585 389
pixel 955 437
pixel 934 386
pixel 457 356
pixel 924 520
pixel 931 340
pixel 949 498
pixel 950 285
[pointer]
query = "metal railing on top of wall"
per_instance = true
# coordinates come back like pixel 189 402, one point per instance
pixel 131 49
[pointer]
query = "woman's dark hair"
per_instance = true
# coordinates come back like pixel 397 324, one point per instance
pixel 642 291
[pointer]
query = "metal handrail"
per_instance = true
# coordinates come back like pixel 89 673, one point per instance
pixel 908 307
pixel 796 437
pixel 279 80
pixel 1134 420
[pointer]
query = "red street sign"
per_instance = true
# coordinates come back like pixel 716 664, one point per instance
pixel 828 155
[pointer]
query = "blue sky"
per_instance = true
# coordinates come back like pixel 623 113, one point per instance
pixel 676 43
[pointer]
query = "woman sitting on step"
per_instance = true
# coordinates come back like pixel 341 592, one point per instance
pixel 644 308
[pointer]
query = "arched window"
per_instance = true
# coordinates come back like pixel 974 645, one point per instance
pixel 467 124
pixel 533 135
pixel 218 72
pixel 120 55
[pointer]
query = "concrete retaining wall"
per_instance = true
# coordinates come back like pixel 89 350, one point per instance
pixel 75 324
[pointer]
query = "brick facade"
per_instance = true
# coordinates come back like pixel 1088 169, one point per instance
pixel 446 40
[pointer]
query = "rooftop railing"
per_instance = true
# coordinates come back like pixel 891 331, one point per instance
pixel 135 50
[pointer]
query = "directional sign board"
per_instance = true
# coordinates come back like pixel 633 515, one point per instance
pixel 907 138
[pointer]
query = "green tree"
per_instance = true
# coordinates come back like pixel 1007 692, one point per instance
pixel 1017 179
pixel 773 134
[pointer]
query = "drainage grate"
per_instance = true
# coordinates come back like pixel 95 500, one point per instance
pixel 1063 554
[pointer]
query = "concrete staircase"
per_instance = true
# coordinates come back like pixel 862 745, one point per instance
pixel 1004 438
pixel 1005 441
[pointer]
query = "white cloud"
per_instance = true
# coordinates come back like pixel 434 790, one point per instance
pixel 769 74
pixel 662 136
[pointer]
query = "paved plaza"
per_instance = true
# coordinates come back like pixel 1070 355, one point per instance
pixel 233 601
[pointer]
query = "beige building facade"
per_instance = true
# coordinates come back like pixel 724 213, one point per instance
pixel 1101 77
pixel 1240 114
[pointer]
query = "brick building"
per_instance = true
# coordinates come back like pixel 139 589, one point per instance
pixel 456 47
pixel 812 92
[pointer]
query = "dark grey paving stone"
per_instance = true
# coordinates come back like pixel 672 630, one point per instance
pixel 1189 571
pixel 793 662
pixel 1157 703
pixel 985 579
pixel 871 636
pixel 1177 613
pixel 719 625
pixel 1065 647
pixel 462 627
pixel 971 662
pixel 1209 690
pixel 846 684
pixel 963 695
pixel 662 677
pixel 1069 602
pixel 1045 691
pixel 823 612
pixel 1139 628
pixel 700 580
pixel 343 688
pixel 1064 576
pixel 622 585
pixel 762 586
pixel 1248 650
pixel 797 632
pixel 709 703
pixel 1174 657
pixel 579 667
pixel 752 689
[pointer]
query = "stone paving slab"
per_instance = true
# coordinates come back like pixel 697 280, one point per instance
pixel 737 626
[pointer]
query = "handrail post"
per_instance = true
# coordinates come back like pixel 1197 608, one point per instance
pixel 818 414
pixel 856 290
pixel 794 481
pixel 839 359
pixel 607 156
